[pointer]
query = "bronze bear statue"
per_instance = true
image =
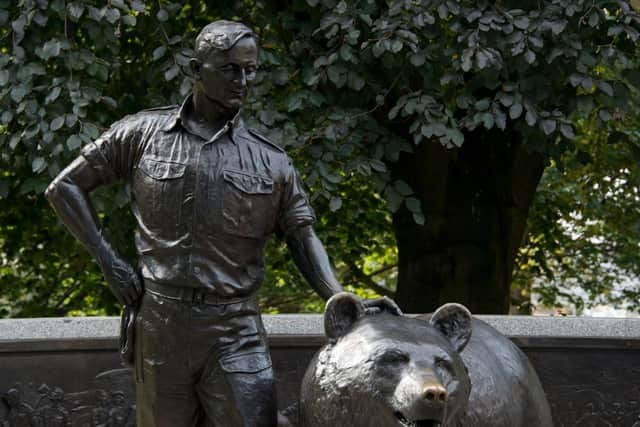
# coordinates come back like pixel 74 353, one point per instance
pixel 447 369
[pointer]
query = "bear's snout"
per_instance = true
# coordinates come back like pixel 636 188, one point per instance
pixel 435 392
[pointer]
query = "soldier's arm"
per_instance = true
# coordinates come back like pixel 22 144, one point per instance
pixel 69 196
pixel 307 250
pixel 311 259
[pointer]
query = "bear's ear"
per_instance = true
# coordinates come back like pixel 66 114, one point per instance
pixel 342 311
pixel 454 321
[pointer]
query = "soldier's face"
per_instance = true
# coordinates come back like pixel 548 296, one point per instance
pixel 225 77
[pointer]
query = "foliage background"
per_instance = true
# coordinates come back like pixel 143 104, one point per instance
pixel 70 68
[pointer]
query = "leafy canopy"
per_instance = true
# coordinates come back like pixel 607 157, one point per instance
pixel 344 86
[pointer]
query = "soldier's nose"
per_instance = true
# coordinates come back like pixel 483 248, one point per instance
pixel 435 393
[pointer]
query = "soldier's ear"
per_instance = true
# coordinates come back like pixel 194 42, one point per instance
pixel 195 66
pixel 342 311
pixel 454 321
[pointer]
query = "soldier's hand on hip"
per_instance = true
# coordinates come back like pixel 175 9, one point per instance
pixel 123 280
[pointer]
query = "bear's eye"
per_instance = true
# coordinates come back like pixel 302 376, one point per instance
pixel 393 357
pixel 444 368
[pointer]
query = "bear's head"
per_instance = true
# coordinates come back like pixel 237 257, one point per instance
pixel 388 370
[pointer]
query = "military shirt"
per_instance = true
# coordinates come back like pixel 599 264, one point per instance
pixel 204 209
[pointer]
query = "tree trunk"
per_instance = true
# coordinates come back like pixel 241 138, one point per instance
pixel 475 200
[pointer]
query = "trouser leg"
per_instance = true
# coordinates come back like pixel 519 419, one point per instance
pixel 236 387
pixel 165 394
pixel 237 399
pixel 166 405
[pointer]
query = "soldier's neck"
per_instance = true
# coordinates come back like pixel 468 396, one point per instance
pixel 209 113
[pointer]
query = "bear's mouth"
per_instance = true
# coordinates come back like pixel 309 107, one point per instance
pixel 416 423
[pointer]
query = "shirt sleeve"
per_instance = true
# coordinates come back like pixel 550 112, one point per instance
pixel 112 155
pixel 296 211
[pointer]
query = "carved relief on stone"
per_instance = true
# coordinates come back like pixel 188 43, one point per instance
pixel 105 405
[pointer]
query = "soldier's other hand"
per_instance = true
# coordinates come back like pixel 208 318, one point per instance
pixel 377 305
pixel 123 280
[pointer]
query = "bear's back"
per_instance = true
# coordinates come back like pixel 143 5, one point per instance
pixel 505 390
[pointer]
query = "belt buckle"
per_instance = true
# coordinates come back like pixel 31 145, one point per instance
pixel 198 297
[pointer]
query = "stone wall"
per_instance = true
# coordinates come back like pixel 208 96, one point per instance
pixel 58 370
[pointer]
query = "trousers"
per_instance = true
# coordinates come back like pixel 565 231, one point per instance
pixel 202 365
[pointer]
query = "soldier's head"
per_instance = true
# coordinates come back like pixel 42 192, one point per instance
pixel 225 62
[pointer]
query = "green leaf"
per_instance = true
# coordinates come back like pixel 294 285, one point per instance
pixel 172 72
pixel 341 8
pixel 74 142
pixel 355 81
pixel 162 15
pixel 412 204
pixel 38 164
pixel 57 123
pixel 515 110
pixel 112 15
pixel 456 137
pixel 488 121
pixel 109 101
pixel 394 199
pixel 418 59
pixel 396 46
pixel 4 77
pixel 378 166
pixel 418 218
pixel 567 131
pixel 548 126
pixel 120 4
pixel 129 20
pixel 605 87
pixel 506 99
pixel 605 115
pixel 159 52
pixel 335 203
pixel 75 10
pixel 6 117
pixel 53 95
pixel 51 49
pixel 138 5
pixel 70 120
pixel 337 74
pixel 403 188
pixel 483 104
pixel 530 56
pixel 346 53
pixel 18 93
pixel 531 118
pixel 467 59
pixel 522 22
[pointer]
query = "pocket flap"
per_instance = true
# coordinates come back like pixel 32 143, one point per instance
pixel 248 183
pixel 246 363
pixel 159 169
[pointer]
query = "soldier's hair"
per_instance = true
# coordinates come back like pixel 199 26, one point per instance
pixel 220 35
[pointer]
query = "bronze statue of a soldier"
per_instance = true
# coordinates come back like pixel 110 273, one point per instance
pixel 206 195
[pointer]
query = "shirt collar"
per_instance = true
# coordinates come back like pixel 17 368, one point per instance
pixel 179 115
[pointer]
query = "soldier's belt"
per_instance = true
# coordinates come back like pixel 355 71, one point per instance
pixel 191 295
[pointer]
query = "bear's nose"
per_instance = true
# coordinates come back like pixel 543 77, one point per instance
pixel 435 393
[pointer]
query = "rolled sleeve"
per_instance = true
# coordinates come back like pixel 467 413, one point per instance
pixel 111 155
pixel 296 211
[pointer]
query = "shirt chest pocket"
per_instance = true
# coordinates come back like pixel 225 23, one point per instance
pixel 158 190
pixel 248 204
